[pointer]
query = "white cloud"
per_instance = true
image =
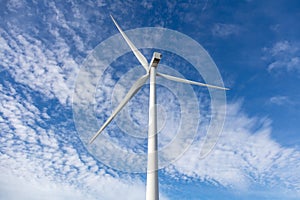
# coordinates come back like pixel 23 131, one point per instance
pixel 14 5
pixel 36 164
pixel 280 100
pixel 13 187
pixel 224 30
pixel 283 55
pixel 30 62
pixel 48 167
pixel 245 155
pixel 47 65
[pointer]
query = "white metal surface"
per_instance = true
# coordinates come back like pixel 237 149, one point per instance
pixel 173 78
pixel 152 166
pixel 152 188
pixel 136 52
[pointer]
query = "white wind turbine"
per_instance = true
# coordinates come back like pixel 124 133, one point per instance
pixel 152 165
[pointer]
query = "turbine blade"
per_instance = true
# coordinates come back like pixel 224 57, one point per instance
pixel 173 78
pixel 133 90
pixel 135 51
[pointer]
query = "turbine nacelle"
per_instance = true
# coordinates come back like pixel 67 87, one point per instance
pixel 155 59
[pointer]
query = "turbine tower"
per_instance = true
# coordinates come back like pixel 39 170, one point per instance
pixel 151 73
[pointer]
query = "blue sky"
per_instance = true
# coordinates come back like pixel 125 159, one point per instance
pixel 43 47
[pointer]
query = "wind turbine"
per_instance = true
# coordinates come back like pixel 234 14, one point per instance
pixel 151 73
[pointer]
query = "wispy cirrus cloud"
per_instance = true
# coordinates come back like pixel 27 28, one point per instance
pixel 39 160
pixel 14 5
pixel 246 155
pixel 280 100
pixel 283 55
pixel 46 58
pixel 225 30
pixel 34 146
pixel 50 71
pixel 40 155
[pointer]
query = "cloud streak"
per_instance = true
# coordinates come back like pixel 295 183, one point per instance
pixel 280 100
pixel 225 30
pixel 41 155
pixel 245 155
pixel 37 163
pixel 283 55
